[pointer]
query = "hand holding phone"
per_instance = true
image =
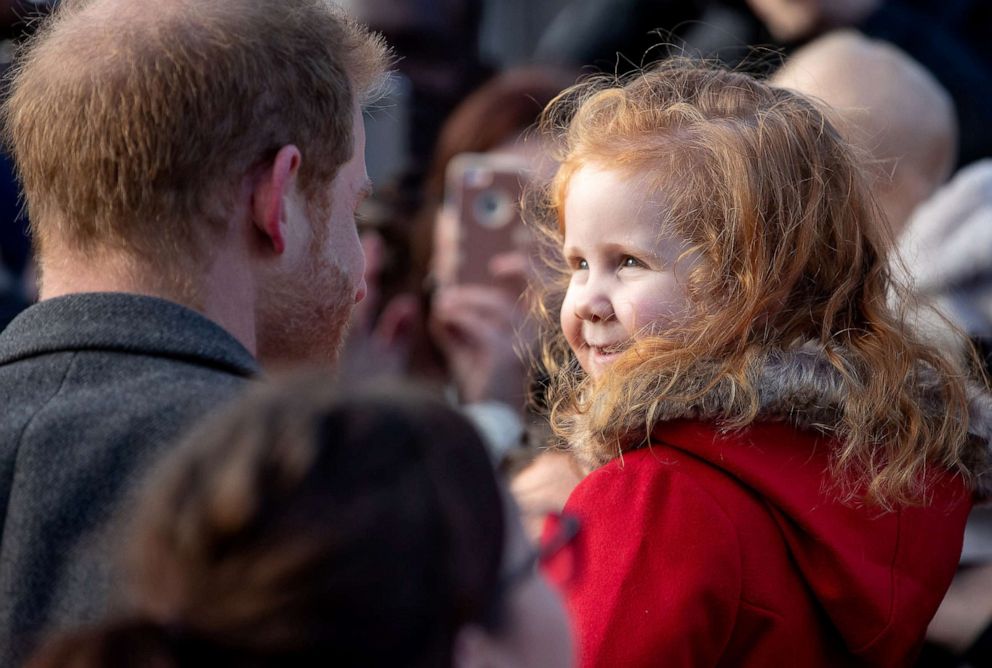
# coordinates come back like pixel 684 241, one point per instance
pixel 484 192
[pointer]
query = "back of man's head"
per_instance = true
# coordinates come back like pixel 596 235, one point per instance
pixel 133 124
pixel 887 104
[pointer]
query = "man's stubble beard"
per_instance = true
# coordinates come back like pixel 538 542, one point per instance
pixel 303 318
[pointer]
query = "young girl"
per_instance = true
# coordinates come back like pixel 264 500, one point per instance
pixel 780 469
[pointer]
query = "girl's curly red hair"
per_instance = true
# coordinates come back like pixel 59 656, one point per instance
pixel 791 244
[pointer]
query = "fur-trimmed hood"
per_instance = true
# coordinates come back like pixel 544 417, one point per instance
pixel 800 387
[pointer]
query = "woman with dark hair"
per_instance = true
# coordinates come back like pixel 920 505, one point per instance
pixel 461 333
pixel 306 526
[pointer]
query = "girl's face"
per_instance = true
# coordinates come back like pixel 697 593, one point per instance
pixel 623 281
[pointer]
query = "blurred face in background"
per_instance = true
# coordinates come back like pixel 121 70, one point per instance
pixel 790 20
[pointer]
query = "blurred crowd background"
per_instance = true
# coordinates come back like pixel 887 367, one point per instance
pixel 909 80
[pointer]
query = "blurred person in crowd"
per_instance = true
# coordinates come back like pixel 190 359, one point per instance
pixel 191 172
pixel 781 467
pixel 790 21
pixel 960 635
pixel 15 243
pixel 885 103
pixel 426 321
pixel 11 300
pixel 437 44
pixel 307 526
pixel 622 35
pixel 17 19
pixel 948 39
pixel 475 314
pixel 946 252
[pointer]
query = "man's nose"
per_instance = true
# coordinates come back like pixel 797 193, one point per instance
pixel 361 291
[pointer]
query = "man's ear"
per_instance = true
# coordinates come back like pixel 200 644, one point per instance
pixel 271 187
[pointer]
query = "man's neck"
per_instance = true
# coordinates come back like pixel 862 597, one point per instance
pixel 222 293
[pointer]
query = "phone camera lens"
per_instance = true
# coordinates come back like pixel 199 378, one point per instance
pixel 494 208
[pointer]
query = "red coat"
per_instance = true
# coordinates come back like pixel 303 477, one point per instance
pixel 711 549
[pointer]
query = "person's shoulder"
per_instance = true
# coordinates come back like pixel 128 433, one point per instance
pixel 187 382
pixel 673 578
pixel 661 469
pixel 123 338
pixel 642 486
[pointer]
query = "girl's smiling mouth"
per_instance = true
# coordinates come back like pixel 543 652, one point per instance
pixel 604 354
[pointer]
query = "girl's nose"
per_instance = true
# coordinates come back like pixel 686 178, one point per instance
pixel 593 303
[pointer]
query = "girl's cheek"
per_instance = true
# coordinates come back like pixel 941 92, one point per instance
pixel 569 329
pixel 567 313
pixel 570 326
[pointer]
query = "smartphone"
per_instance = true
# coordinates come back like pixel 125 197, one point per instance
pixel 484 190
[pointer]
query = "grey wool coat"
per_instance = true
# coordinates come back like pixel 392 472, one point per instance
pixel 94 388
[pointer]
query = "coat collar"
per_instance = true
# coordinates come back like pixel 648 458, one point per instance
pixel 799 387
pixel 120 322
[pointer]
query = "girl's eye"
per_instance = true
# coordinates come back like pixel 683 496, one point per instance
pixel 581 264
pixel 629 261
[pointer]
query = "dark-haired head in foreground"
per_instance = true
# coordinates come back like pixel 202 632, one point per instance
pixel 305 526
